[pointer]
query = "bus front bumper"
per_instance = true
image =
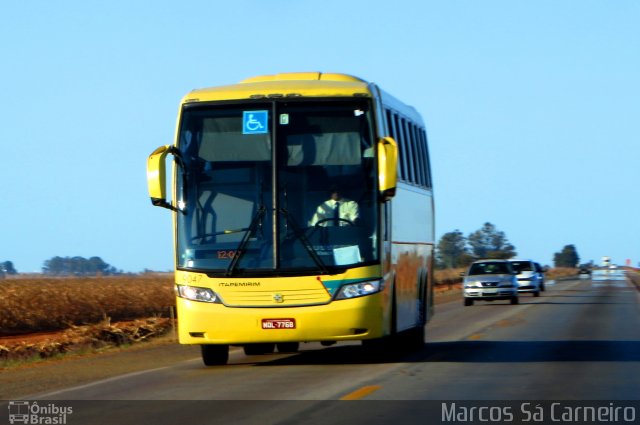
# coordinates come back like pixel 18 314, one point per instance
pixel 343 320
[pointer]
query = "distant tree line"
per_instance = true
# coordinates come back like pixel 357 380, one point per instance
pixel 455 250
pixel 78 266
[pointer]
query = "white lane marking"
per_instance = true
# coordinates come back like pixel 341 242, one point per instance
pixel 104 381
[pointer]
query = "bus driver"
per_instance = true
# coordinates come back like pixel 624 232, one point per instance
pixel 336 211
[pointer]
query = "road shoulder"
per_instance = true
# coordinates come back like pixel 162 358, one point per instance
pixel 73 370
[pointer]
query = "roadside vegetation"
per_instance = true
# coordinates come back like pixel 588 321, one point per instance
pixel 634 275
pixel 46 317
pixel 80 339
pixel 49 304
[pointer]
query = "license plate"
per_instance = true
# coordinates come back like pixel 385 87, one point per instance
pixel 490 291
pixel 278 323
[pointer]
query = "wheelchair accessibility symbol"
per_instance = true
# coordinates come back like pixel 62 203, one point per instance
pixel 255 122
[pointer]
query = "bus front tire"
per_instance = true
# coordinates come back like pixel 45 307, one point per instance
pixel 214 355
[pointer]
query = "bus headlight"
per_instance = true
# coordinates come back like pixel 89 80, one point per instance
pixel 195 293
pixel 359 289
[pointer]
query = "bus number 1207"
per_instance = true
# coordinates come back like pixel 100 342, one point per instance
pixel 226 254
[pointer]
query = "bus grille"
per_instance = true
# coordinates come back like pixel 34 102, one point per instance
pixel 285 298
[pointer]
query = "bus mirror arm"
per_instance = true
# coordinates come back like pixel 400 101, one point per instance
pixel 156 175
pixel 387 167
pixel 164 204
pixel 386 195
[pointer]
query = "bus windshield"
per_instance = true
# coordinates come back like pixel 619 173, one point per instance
pixel 273 187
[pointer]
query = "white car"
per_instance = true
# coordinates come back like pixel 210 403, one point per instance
pixel 490 280
pixel 529 278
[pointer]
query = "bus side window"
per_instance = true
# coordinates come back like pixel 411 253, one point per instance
pixel 425 144
pixel 401 147
pixel 390 129
pixel 408 156
pixel 421 167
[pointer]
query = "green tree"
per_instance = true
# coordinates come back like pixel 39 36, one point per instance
pixel 568 257
pixel 77 266
pixel 6 267
pixel 489 242
pixel 452 251
pixel 97 265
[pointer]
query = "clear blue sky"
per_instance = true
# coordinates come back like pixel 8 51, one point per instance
pixel 532 111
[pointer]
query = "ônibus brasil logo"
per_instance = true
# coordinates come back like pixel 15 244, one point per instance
pixel 26 412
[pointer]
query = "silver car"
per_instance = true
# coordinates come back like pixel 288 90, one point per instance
pixel 490 280
pixel 529 277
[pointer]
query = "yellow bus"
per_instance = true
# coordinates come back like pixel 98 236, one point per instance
pixel 303 211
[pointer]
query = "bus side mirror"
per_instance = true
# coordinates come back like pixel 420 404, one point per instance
pixel 156 177
pixel 387 167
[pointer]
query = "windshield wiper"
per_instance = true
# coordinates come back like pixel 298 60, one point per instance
pixel 250 231
pixel 305 242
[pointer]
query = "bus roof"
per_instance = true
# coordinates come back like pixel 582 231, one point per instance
pixel 296 84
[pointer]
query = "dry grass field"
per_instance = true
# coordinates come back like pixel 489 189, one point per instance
pixel 84 338
pixel 48 304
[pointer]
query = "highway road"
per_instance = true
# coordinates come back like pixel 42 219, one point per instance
pixel 578 341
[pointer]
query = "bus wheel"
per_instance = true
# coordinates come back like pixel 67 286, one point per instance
pixel 288 347
pixel 215 355
pixel 256 349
